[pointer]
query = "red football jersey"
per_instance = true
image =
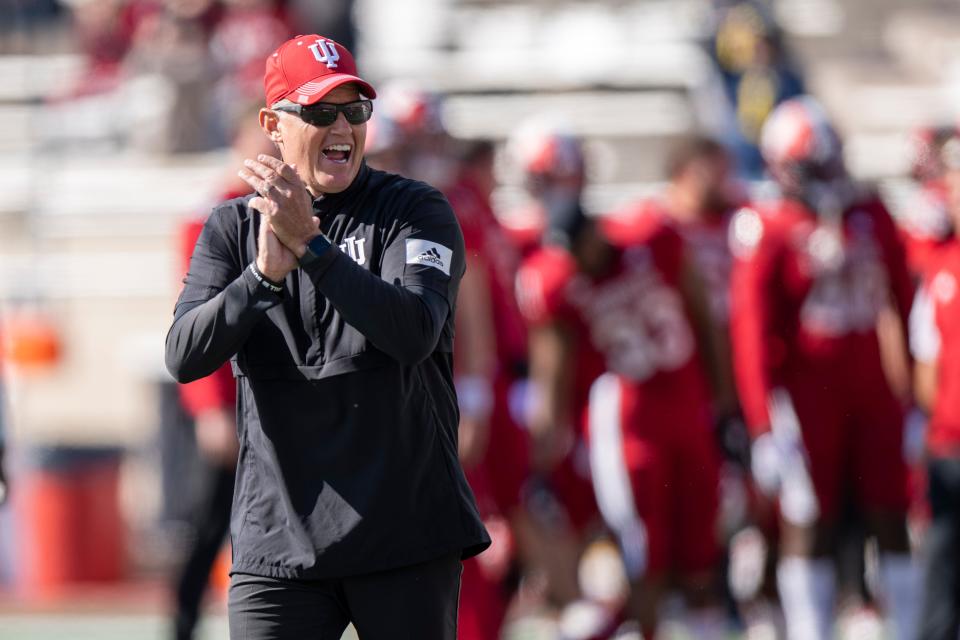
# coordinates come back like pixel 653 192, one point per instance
pixel 805 299
pixel 940 292
pixel 219 389
pixel 486 241
pixel 925 225
pixel 632 321
pixel 707 243
pixel 524 228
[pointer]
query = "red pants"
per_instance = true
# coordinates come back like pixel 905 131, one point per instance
pixel 854 442
pixel 655 467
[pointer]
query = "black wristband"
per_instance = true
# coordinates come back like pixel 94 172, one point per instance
pixel 315 249
pixel 266 283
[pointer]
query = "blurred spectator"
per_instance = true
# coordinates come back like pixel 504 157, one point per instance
pixel 815 272
pixel 753 75
pixel 332 17
pixel 170 50
pixel 180 68
pixel 22 20
pixel 934 340
pixel 211 402
pixel 103 32
pixel 246 32
pixel 95 108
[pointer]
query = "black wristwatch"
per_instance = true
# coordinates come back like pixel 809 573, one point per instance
pixel 316 248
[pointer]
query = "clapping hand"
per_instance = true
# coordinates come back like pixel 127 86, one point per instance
pixel 283 201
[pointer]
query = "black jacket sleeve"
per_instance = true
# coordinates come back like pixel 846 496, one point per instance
pixel 403 310
pixel 220 303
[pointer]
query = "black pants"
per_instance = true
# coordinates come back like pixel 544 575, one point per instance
pixel 418 602
pixel 941 601
pixel 212 524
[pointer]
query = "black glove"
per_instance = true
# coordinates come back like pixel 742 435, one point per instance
pixel 565 219
pixel 733 439
pixel 542 503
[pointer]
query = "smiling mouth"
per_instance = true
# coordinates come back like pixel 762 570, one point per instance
pixel 338 153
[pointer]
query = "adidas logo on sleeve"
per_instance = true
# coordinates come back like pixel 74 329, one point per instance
pixel 429 254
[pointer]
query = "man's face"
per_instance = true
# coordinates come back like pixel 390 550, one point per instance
pixel 708 180
pixel 325 165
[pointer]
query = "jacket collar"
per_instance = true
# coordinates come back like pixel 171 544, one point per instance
pixel 330 201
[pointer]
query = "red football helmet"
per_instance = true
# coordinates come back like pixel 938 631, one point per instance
pixel 926 151
pixel 548 155
pixel 804 155
pixel 798 132
pixel 413 110
pixel 418 137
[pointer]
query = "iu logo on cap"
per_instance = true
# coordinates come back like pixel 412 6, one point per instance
pixel 325 51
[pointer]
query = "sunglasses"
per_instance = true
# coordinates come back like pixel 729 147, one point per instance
pixel 324 114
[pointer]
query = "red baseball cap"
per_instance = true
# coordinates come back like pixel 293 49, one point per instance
pixel 306 68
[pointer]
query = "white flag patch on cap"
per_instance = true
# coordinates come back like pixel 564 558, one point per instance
pixel 431 254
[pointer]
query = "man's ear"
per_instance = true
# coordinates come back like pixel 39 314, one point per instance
pixel 270 123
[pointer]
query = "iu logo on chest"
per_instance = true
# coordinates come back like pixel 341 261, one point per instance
pixel 353 247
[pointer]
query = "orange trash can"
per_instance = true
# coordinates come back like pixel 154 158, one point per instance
pixel 71 528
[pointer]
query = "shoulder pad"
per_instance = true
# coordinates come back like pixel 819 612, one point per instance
pixel 746 231
pixel 943 286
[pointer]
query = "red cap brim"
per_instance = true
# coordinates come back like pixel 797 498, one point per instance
pixel 313 91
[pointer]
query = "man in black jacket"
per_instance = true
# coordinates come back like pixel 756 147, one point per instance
pixel 332 291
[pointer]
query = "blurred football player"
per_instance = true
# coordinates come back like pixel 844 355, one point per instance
pixel 934 340
pixel 926 222
pixel 421 146
pixel 211 402
pixel 621 343
pixel 700 200
pixel 490 355
pixel 550 161
pixel 558 494
pixel 815 273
